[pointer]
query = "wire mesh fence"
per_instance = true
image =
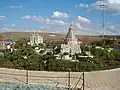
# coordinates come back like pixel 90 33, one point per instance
pixel 43 80
pixel 55 80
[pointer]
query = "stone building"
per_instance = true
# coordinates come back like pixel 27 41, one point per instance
pixel 32 42
pixel 36 39
pixel 71 45
pixel 2 45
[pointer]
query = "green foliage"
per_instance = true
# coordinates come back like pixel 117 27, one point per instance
pixel 57 50
pixel 65 53
pixel 26 58
pixel 104 42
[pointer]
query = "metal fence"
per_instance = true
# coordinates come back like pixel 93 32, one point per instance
pixel 28 79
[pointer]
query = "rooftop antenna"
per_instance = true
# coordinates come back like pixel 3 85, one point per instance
pixel 103 6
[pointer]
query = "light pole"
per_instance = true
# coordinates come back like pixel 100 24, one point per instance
pixel 103 6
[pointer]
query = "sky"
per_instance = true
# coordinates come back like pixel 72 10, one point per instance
pixel 56 16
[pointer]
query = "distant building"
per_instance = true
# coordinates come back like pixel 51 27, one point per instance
pixel 2 45
pixel 52 35
pixel 32 42
pixel 71 45
pixel 36 39
pixel 10 45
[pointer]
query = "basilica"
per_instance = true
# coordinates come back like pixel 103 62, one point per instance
pixel 71 45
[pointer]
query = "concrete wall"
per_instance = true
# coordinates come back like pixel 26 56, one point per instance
pixel 98 80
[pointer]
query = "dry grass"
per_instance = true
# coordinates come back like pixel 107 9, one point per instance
pixel 58 37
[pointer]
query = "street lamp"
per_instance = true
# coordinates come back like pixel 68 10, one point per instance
pixel 103 6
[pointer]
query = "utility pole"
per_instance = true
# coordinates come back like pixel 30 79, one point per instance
pixel 103 6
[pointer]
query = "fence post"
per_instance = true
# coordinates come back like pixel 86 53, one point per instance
pixel 69 80
pixel 83 81
pixel 27 76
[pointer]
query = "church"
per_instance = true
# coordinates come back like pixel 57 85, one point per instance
pixel 35 39
pixel 71 45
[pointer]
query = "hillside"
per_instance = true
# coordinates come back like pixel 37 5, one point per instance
pixel 58 37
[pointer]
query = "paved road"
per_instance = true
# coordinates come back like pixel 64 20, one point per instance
pixel 97 80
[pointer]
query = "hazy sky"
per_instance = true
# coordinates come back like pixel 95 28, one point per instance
pixel 56 15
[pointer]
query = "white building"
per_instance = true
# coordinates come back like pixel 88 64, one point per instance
pixel 32 42
pixel 71 45
pixel 2 45
pixel 36 39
